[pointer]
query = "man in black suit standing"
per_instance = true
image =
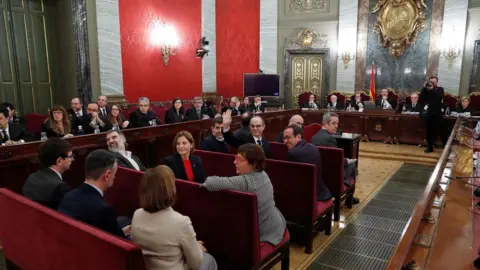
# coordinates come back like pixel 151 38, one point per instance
pixel 86 202
pixel 304 152
pixel 215 142
pixel 198 112
pixel 11 133
pixel 431 98
pixel 116 143
pixel 325 138
pixel 46 185
pixel 257 125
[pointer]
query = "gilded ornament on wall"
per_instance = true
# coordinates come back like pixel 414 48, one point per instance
pixel 307 38
pixel 399 22
pixel 308 6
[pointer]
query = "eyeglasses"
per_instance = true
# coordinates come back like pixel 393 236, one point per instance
pixel 143 105
pixel 72 156
pixel 256 126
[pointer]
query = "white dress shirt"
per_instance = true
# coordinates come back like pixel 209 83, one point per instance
pixel 59 174
pixel 8 134
pixel 257 139
pixel 128 156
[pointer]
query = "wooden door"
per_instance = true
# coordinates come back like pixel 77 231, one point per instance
pixel 306 71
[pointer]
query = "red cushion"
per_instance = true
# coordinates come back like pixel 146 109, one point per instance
pixel 345 187
pixel 311 130
pixel 266 248
pixel 322 207
pixel 217 164
pixel 123 195
pixel 278 151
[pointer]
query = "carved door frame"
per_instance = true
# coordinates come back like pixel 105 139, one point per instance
pixel 323 53
pixel 474 74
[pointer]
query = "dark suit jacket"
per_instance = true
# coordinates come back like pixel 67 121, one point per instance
pixel 46 188
pixel 338 106
pixel 409 107
pixel 172 117
pixel 253 108
pixel 469 109
pixel 306 105
pixel 392 101
pixel 323 138
pixel 192 115
pixel 242 132
pixel 242 108
pixel 123 162
pixel 236 142
pixel 307 153
pixel 47 128
pixel 235 112
pixel 17 132
pixel 175 163
pixel 75 121
pixel 107 109
pixel 212 144
pixel 138 119
pixel 86 204
pixel 355 105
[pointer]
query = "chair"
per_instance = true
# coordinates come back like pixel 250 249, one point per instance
pixel 393 95
pixel 34 122
pixel 341 98
pixel 123 195
pixel 310 131
pixel 303 98
pixel 217 164
pixel 475 100
pixel 451 101
pixel 43 239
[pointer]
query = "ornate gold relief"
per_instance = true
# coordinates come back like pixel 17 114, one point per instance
pixel 307 38
pixel 306 72
pixel 399 22
pixel 308 6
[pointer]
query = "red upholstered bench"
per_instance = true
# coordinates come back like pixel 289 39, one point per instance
pixel 311 130
pixel 295 187
pixel 213 219
pixel 227 221
pixel 333 178
pixel 36 237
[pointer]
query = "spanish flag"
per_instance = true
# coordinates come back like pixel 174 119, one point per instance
pixel 372 82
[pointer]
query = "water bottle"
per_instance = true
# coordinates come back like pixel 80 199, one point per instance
pixel 80 130
pixel 404 109
pixel 43 136
pixel 447 111
pixel 97 129
pixel 329 107
pixel 154 122
pixel 115 127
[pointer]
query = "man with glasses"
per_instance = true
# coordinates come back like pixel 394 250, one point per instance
pixel 46 186
pixel 257 126
pixel 143 116
pixel 198 112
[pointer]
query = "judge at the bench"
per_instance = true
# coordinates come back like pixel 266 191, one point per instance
pixel 384 102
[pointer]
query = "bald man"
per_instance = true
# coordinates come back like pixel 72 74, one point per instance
pixel 296 119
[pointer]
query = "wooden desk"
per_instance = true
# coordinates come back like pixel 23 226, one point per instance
pixel 380 125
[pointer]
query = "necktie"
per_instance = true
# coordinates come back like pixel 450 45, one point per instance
pixel 78 114
pixel 104 112
pixel 4 135
pixel 259 142
pixel 198 114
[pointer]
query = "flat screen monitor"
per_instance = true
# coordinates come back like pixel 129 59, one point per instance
pixel 261 84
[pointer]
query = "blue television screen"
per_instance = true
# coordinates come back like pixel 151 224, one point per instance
pixel 261 84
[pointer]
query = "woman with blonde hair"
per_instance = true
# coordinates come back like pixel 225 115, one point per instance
pixel 167 238
pixel 57 124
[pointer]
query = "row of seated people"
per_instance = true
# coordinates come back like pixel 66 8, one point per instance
pixel 184 166
pixel 100 117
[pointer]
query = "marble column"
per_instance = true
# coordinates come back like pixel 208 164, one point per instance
pixel 453 36
pixel 347 40
pixel 209 62
pixel 268 36
pixel 80 34
pixel 362 33
pixel 109 48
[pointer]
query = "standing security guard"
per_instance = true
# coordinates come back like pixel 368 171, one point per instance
pixel 431 97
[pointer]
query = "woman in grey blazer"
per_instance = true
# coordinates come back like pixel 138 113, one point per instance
pixel 250 165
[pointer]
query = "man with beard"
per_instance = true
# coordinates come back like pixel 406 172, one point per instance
pixel 215 141
pixel 116 143
pixel 143 116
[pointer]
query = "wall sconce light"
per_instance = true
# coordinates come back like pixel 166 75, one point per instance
pixel 346 57
pixel 164 36
pixel 203 48
pixel 450 54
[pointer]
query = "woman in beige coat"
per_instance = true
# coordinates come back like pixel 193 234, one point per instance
pixel 166 237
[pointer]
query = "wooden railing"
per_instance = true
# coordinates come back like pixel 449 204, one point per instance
pixel 423 207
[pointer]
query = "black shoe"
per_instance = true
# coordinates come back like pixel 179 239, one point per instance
pixel 428 150
pixel 355 200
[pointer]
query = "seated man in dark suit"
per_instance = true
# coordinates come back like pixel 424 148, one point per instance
pixel 357 101
pixel 11 133
pixel 143 116
pixel 93 122
pixel 46 185
pixel 215 141
pixel 198 112
pixel 385 102
pixel 334 104
pixel 116 142
pixel 304 152
pixel 75 113
pixel 86 203
pixel 311 104
pixel 325 138
pixel 414 106
pixel 257 125
pixel 257 106
pixel 244 131
pixel 296 119
pixel 12 117
pixel 234 107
